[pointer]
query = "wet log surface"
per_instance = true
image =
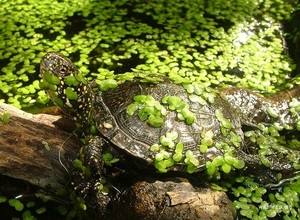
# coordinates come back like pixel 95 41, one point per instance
pixel 174 198
pixel 37 152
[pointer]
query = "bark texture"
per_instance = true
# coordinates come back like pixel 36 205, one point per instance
pixel 35 150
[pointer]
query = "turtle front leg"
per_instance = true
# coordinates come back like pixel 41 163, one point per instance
pixel 91 155
pixel 88 175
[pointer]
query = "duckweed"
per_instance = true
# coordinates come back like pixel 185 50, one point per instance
pixel 51 79
pixel 213 44
pixel 167 142
pixel 41 210
pixel 182 108
pixel 5 117
pixel 235 139
pixel 79 166
pixel 256 202
pixel 206 141
pixel 70 93
pixel 225 123
pixel 272 112
pixel 17 204
pixel 225 163
pixel 197 98
pixel 163 159
pixel 203 53
pixel 109 159
pixel 191 161
pixel 294 106
pixel 46 145
pixel 162 165
pixel 28 215
pixel 107 84
pixel 149 110
pixel 31 207
pixel 170 151
pixel 203 148
pixel 226 129
pixel 30 204
pixel 71 81
pixel 3 199
pixel 178 155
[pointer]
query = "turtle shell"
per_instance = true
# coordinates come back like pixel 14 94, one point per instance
pixel 135 136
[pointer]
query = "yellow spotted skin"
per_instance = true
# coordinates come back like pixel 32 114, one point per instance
pixel 71 93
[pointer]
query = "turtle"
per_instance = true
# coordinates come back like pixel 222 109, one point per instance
pixel 169 126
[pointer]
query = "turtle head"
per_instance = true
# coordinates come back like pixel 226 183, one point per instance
pixel 66 87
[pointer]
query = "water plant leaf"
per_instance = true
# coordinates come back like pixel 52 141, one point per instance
pixel 5 117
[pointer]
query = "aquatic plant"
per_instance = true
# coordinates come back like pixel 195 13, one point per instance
pixel 119 40
pixel 198 43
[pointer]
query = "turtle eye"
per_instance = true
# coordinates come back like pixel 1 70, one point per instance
pixel 63 69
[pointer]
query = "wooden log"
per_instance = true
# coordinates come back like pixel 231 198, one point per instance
pixel 34 149
pixel 174 198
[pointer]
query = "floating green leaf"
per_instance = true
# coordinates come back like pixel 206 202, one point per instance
pixel 71 94
pixel 239 164
pixel 177 157
pixel 30 204
pixel 71 81
pixel 226 168
pixel 16 204
pixel 155 121
pixel 5 117
pixel 3 199
pixel 210 168
pixel 109 159
pixel 51 79
pixel 80 78
pixel 272 112
pixel 203 148
pixel 179 147
pixel 62 210
pixel 173 135
pixel 108 84
pixel 155 147
pixel 41 210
